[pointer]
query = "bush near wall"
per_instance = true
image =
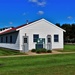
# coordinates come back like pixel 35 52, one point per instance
pixel 49 51
pixel 33 50
pixel 43 50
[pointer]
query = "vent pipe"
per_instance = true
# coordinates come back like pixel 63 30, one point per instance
pixel 26 21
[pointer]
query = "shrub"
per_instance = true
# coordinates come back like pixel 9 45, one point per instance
pixel 38 51
pixel 43 50
pixel 49 51
pixel 33 50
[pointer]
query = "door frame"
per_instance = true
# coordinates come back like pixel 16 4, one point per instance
pixel 49 42
pixel 25 45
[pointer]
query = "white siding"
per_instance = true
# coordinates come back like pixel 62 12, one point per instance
pixel 16 42
pixel 42 28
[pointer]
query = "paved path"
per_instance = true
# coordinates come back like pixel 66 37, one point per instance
pixel 34 54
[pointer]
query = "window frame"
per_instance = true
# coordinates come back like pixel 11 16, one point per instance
pixel 35 38
pixel 49 39
pixel 56 38
pixel 25 40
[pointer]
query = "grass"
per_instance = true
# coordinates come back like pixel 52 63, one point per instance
pixel 68 48
pixel 63 64
pixel 5 52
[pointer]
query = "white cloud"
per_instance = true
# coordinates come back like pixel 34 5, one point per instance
pixel 33 1
pixel 10 22
pixel 41 3
pixel 40 12
pixel 38 2
pixel 70 17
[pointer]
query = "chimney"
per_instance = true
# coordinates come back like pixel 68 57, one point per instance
pixel 26 21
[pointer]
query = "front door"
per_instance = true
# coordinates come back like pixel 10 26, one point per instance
pixel 49 42
pixel 25 44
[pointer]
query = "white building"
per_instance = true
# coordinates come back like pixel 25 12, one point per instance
pixel 38 34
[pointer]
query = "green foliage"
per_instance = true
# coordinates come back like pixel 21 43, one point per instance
pixel 33 50
pixel 38 51
pixel 58 24
pixel 69 35
pixel 49 51
pixel 43 50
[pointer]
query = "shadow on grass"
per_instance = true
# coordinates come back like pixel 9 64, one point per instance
pixel 4 52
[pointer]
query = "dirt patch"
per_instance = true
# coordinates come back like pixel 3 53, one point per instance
pixel 34 53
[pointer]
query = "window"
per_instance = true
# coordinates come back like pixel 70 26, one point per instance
pixel 6 39
pixel 56 38
pixel 1 39
pixel 49 40
pixel 25 40
pixel 35 37
pixel 10 39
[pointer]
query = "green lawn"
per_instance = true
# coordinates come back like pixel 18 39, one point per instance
pixel 69 48
pixel 63 64
pixel 5 52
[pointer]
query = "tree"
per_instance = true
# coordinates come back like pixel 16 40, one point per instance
pixel 58 24
pixel 67 35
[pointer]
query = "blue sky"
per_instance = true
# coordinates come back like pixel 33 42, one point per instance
pixel 16 12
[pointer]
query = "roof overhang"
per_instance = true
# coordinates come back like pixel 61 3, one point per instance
pixel 8 31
